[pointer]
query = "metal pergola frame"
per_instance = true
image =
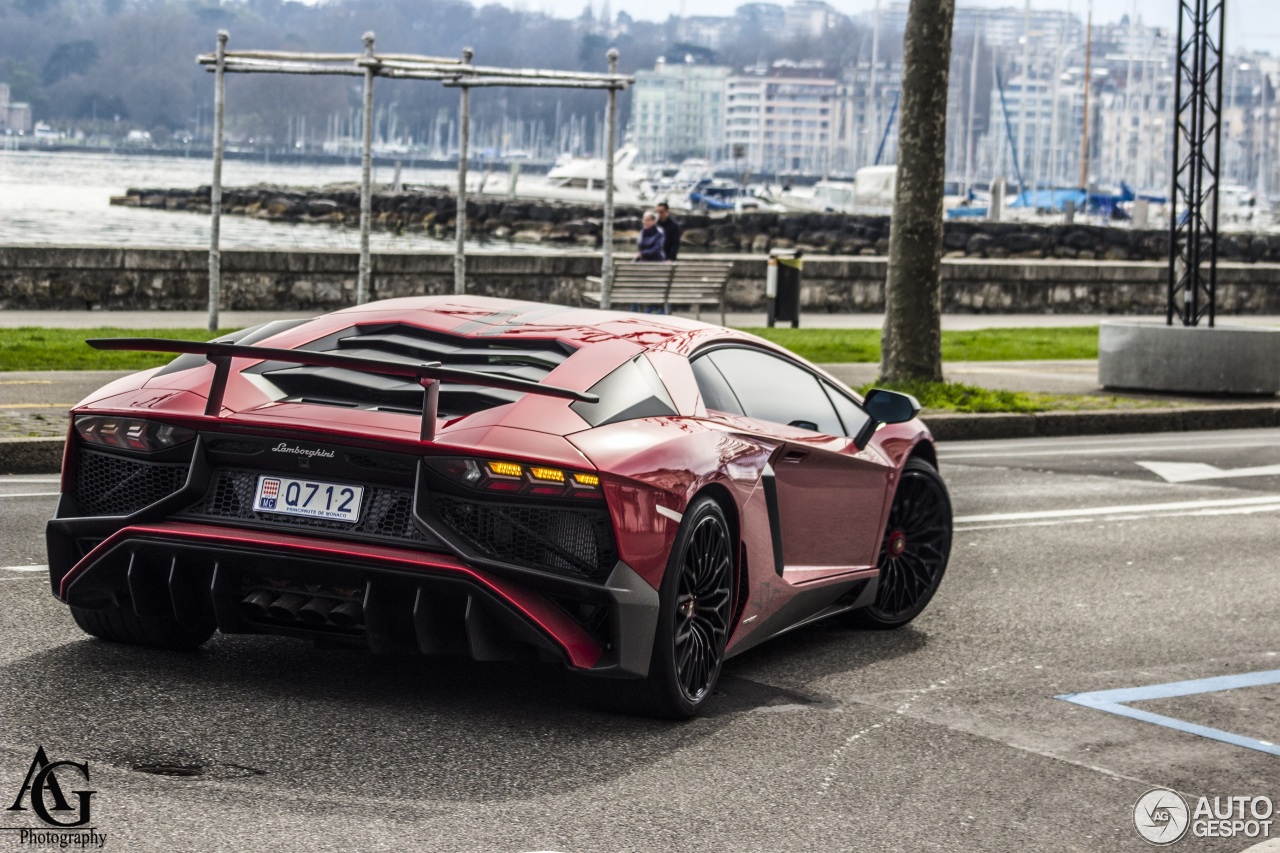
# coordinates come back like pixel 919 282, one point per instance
pixel 454 73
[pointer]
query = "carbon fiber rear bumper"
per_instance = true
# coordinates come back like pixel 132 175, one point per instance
pixel 411 601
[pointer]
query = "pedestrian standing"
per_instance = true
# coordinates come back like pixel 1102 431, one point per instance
pixel 671 231
pixel 651 239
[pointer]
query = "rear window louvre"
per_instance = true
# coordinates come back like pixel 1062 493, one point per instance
pixel 398 343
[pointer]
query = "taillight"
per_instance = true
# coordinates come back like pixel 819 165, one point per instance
pixel 131 433
pixel 497 475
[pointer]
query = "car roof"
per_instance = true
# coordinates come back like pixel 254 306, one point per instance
pixel 490 317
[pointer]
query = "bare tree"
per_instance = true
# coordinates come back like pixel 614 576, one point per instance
pixel 911 343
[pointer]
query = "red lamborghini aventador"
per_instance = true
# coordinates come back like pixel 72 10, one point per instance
pixel 636 496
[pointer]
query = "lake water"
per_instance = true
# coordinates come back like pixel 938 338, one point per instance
pixel 63 199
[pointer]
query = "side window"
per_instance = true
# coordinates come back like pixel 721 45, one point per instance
pixel 716 393
pixel 771 389
pixel 851 414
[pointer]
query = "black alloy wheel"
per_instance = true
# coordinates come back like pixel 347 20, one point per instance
pixel 704 600
pixel 915 549
pixel 694 614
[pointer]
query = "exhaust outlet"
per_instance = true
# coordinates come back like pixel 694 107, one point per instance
pixel 315 610
pixel 256 603
pixel 348 614
pixel 287 606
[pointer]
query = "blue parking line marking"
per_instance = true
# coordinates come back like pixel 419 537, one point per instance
pixel 1114 702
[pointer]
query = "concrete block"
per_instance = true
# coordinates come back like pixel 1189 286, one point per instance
pixel 1224 359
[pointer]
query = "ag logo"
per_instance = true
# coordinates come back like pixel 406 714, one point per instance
pixel 41 781
pixel 1160 816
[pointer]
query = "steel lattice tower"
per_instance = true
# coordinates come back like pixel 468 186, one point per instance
pixel 1197 138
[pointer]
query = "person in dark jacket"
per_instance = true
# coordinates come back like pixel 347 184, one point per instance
pixel 671 231
pixel 651 239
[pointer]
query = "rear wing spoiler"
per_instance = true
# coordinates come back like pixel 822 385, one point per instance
pixel 427 374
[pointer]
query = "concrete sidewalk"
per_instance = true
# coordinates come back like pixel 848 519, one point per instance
pixel 240 319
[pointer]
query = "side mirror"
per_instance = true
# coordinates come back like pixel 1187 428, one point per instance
pixel 885 407
pixel 890 407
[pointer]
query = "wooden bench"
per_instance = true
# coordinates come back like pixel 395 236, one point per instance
pixel 664 283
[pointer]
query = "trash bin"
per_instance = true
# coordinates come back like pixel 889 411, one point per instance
pixel 782 287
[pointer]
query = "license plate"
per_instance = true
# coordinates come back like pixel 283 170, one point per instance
pixel 314 499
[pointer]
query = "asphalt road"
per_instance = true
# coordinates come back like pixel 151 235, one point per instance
pixel 1075 569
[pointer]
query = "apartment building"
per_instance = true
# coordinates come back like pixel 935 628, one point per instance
pixel 781 117
pixel 678 110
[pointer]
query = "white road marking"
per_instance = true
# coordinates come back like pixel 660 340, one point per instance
pixel 1012 447
pixel 24 569
pixel 1237 510
pixel 18 480
pixel 1062 521
pixel 1094 451
pixel 1128 509
pixel 37 406
pixel 1148 439
pixel 32 495
pixel 1188 472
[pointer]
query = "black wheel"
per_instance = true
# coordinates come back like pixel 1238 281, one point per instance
pixel 913 555
pixel 696 605
pixel 122 625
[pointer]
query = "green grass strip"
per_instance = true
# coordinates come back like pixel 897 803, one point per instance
pixel 35 348
pixel 835 346
pixel 958 397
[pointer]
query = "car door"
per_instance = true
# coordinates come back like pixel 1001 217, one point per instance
pixel 829 497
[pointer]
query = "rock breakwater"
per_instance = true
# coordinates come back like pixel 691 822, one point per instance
pixel 556 224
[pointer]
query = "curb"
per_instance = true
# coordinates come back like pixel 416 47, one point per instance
pixel 44 455
pixel 31 455
pixel 970 427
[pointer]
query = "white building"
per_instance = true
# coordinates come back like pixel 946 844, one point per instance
pixel 760 18
pixel 677 111
pixel 706 31
pixel 999 28
pixel 809 19
pixel 15 116
pixel 1135 128
pixel 1044 142
pixel 782 117
pixel 865 116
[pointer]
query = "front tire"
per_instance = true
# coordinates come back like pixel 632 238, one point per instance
pixel 695 609
pixel 122 625
pixel 914 552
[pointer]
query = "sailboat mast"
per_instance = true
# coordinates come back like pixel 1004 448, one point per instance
pixel 1024 94
pixel 968 133
pixel 1088 72
pixel 1054 155
pixel 873 95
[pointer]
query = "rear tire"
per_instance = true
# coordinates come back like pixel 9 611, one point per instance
pixel 121 625
pixel 914 552
pixel 695 608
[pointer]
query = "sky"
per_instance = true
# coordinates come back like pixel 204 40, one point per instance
pixel 1252 24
